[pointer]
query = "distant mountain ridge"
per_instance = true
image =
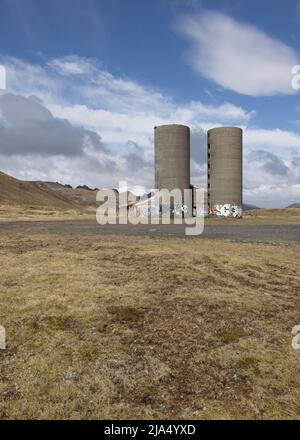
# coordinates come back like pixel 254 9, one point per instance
pixel 294 205
pixel 36 194
pixel 61 196
pixel 250 207
pixel 56 185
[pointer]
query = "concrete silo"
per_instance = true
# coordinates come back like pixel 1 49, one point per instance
pixel 225 171
pixel 172 158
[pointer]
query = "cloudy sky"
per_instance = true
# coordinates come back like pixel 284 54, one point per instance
pixel 87 80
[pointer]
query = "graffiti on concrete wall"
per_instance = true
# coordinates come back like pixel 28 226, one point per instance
pixel 147 211
pixel 227 210
pixel 237 211
pixel 144 210
pixel 201 213
pixel 180 209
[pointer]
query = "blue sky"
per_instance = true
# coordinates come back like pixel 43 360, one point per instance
pixel 88 79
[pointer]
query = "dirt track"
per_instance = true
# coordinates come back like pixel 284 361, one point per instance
pixel 238 232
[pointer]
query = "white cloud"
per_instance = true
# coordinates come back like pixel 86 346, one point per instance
pixel 99 89
pixel 118 115
pixel 273 195
pixel 2 78
pixel 274 140
pixel 28 127
pixel 270 181
pixel 71 65
pixel 238 56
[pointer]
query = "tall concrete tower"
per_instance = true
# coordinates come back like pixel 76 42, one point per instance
pixel 172 157
pixel 225 171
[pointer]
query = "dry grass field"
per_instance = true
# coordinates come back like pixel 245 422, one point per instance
pixel 273 216
pixel 38 213
pixel 119 327
pixel 9 213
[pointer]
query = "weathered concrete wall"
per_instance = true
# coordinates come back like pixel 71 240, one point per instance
pixel 172 157
pixel 225 171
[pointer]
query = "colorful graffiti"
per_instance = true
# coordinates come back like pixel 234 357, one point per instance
pixel 227 210
pixel 144 210
pixel 180 209
pixel 147 211
pixel 237 211
pixel 164 211
pixel 201 213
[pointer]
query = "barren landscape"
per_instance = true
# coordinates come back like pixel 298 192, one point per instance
pixel 149 215
pixel 142 322
pixel 137 327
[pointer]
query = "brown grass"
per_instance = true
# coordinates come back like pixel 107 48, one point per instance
pixel 38 213
pixel 119 327
pixel 14 192
pixel 287 215
pixel 17 212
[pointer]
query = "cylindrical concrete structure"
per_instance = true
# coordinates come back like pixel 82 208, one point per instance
pixel 225 171
pixel 172 157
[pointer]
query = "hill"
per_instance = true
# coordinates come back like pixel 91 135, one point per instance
pixel 14 192
pixel 43 196
pixel 250 207
pixel 294 205
pixel 82 197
